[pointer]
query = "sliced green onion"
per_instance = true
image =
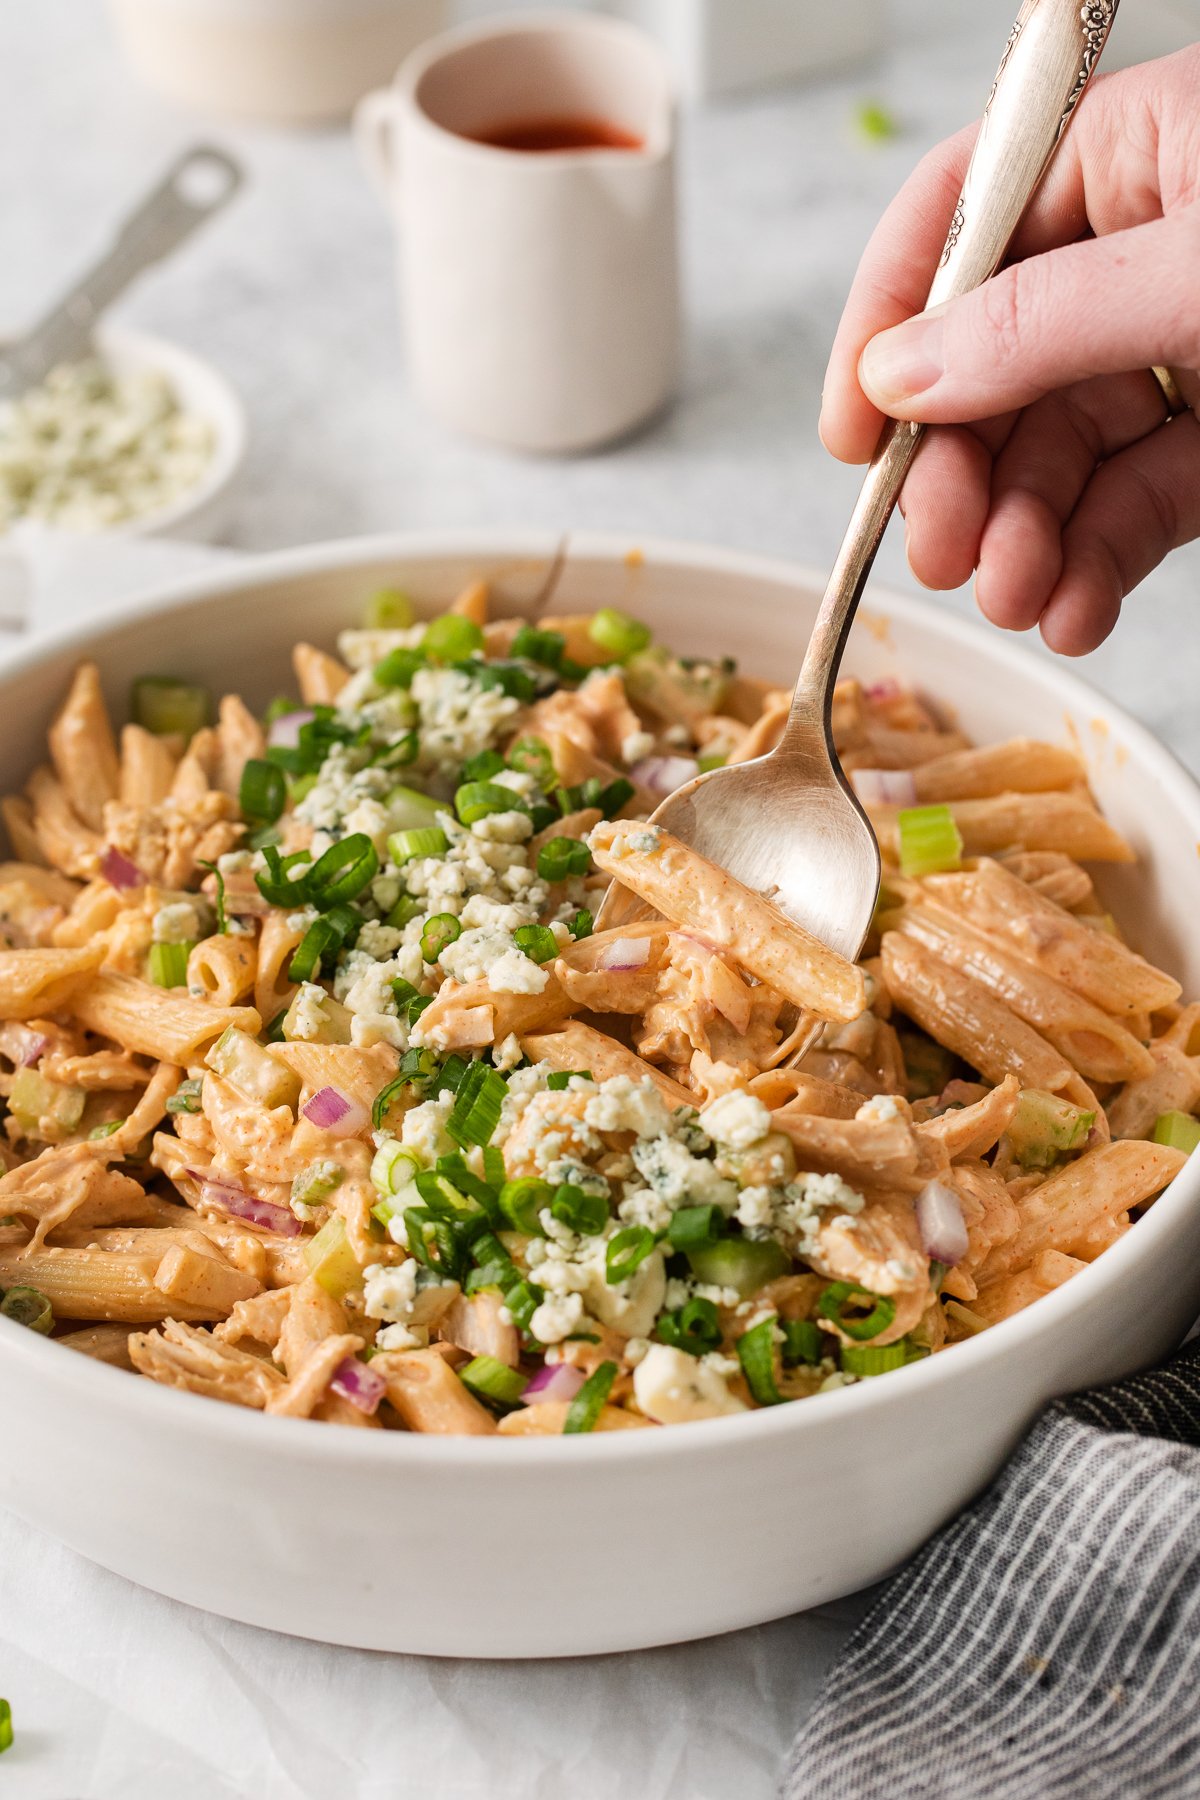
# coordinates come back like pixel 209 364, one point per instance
pixel 404 912
pixel 343 871
pixel 512 678
pixel 409 808
pixel 6 1729
pixel 1178 1130
pixel 454 1167
pixel 582 925
pixel 562 857
pixel 438 934
pixel 105 1130
pixel 398 668
pixel 493 1166
pixel 695 1327
pixel 531 756
pixel 427 840
pixel 483 766
pixel 693 1225
pixel 319 946
pixel 545 647
pixel 578 1210
pixel 705 763
pixel 262 793
pixel 522 1300
pixel 746 1264
pixel 168 964
pixel 382 1103
pixel 930 841
pixel 617 634
pixel 875 121
pixel 756 1353
pixel 28 1306
pixel 451 638
pixel 522 1200
pixel 542 814
pixel 187 1097
pixel 277 884
pixel 392 1166
pixel 476 799
pixel 317 1182
pixel 443 1198
pixel 801 1342
pixel 489 1379
pixel 627 1251
pixel 450 1074
pixel 588 1403
pixel 617 794
pixel 841 1294
pixel 872 1359
pixel 477 1103
pixel 219 882
pixel 388 610
pixel 538 942
pixel 399 754
pixel 558 1079
pixel 168 707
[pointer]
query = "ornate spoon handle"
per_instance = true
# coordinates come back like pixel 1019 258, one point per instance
pixel 1047 63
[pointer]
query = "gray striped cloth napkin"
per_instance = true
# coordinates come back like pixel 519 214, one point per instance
pixel 1046 1645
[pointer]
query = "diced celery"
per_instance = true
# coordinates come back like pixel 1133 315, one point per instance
pixel 673 692
pixel 332 1021
pixel 1178 1130
pixel 930 841
pixel 331 1261
pixel 253 1071
pixel 408 809
pixel 170 708
pixel 742 1263
pixel 389 610
pixel 45 1109
pixel 1044 1128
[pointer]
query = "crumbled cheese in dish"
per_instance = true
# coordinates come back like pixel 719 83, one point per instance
pixel 181 922
pixel 635 746
pixel 504 827
pixel 424 1129
pixel 507 1053
pixel 564 1263
pixel 516 973
pixel 363 649
pixel 880 1107
pixel 307 1015
pixel 623 1104
pixel 556 1318
pixel 471 956
pixel 458 717
pixel 793 1212
pixel 89 448
pixel 673 1387
pixel 390 1290
pixel 736 1119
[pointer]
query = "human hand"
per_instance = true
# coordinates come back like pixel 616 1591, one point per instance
pixel 1054 470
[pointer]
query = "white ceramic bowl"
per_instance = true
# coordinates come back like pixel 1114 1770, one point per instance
pixel 555 1547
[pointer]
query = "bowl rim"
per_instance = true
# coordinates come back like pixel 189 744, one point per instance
pixel 210 393
pixel 239 1426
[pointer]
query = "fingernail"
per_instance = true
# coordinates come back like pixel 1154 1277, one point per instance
pixel 904 361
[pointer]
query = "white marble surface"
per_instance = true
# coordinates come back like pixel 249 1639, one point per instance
pixel 121 1694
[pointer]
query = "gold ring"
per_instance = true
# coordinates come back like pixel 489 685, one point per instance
pixel 1170 389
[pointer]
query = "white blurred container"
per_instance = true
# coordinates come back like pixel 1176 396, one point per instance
pixel 281 62
pixel 721 46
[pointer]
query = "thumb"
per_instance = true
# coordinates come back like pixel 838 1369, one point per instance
pixel 1100 307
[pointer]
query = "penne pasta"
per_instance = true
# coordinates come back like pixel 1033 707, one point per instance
pixel 223 969
pixel 164 1023
pixel 1055 821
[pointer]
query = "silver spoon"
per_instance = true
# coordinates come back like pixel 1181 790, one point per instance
pixel 200 181
pixel 788 823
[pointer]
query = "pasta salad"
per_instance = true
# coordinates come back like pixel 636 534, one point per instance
pixel 325 1097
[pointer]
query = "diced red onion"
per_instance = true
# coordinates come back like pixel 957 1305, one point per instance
pixel 887 689
pixel 358 1383
pixel 940 1223
pixel 554 1381
pixel 332 1111
pixel 663 774
pixel 885 787
pixel 284 732
pixel 22 1046
pixel 119 872
pixel 624 953
pixel 236 1201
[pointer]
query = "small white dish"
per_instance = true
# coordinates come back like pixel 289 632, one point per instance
pixel 571 1546
pixel 201 513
